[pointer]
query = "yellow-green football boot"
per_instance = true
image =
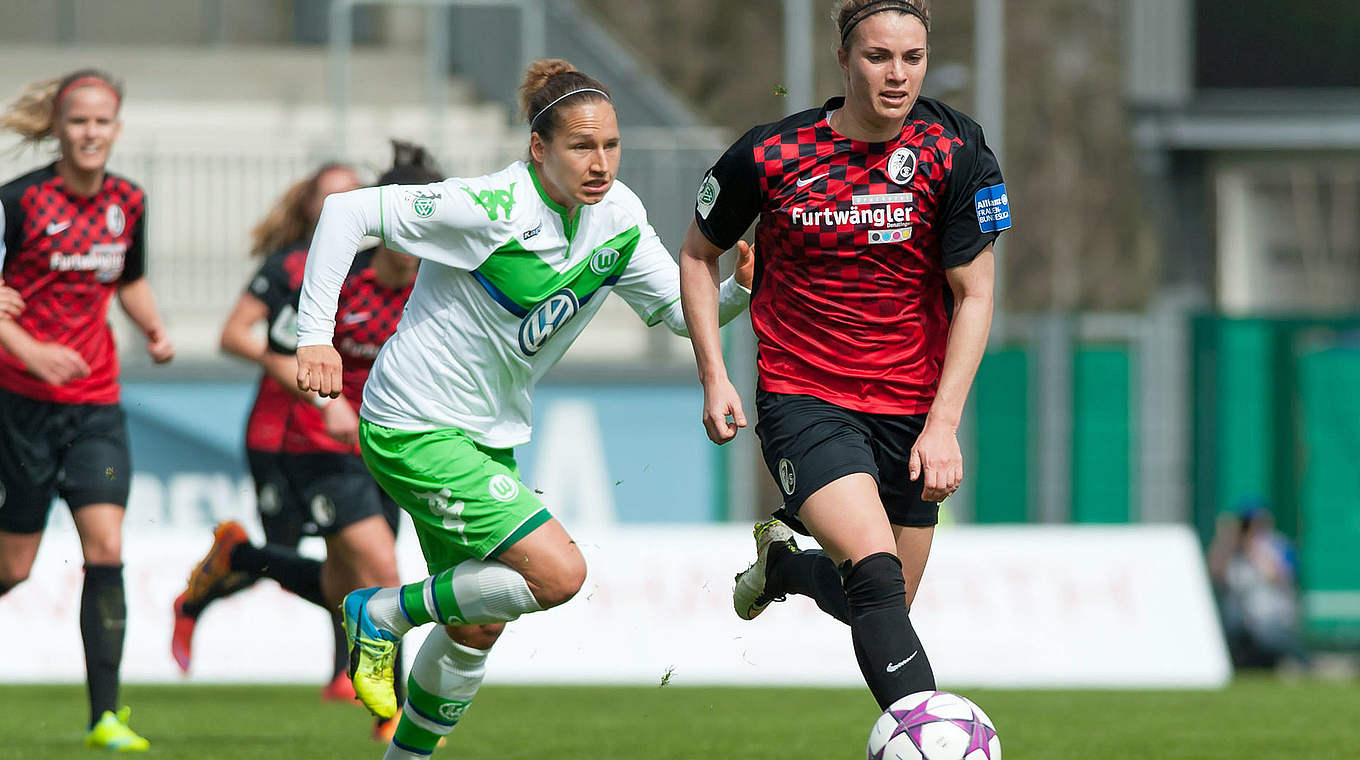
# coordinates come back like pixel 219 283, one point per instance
pixel 112 733
pixel 372 652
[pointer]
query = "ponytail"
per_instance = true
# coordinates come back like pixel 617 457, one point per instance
pixel 289 220
pixel 33 114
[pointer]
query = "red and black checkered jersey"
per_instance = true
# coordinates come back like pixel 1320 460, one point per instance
pixel 66 254
pixel 276 283
pixel 850 303
pixel 366 317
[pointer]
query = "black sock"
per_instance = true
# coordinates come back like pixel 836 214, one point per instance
pixel 296 573
pixel 810 573
pixel 890 655
pixel 103 619
pixel 341 664
pixel 233 584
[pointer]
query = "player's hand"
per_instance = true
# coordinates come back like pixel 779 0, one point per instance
pixel 937 459
pixel 341 422
pixel 746 264
pixel 11 303
pixel 55 364
pixel 158 345
pixel 721 401
pixel 319 370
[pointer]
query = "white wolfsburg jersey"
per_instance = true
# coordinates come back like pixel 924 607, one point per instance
pixel 506 284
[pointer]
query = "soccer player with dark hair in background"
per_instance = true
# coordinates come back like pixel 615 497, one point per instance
pixel 321 476
pixel 281 238
pixel 72 235
pixel 871 307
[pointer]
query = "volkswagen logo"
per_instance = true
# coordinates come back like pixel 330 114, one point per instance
pixel 545 319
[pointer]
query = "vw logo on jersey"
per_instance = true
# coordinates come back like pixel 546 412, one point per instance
pixel 545 319
pixel 603 260
pixel 115 220
pixel 902 166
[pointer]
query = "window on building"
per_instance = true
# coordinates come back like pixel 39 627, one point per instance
pixel 1271 43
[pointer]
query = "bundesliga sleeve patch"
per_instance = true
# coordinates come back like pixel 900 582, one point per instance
pixel 993 208
pixel 708 195
pixel 424 200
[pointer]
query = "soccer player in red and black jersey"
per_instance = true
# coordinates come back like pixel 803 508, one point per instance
pixel 322 474
pixel 271 299
pixel 871 307
pixel 72 239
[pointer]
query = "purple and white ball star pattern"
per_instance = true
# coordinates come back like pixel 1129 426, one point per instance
pixel 919 719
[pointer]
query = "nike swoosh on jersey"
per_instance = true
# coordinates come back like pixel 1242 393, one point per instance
pixel 55 227
pixel 356 317
pixel 806 182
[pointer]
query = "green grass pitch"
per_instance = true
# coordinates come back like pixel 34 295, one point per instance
pixel 1258 718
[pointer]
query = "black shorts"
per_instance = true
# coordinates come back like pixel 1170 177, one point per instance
pixel 280 512
pixel 76 451
pixel 808 442
pixel 334 491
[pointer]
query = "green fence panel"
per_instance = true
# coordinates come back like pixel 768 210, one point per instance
pixel 1247 401
pixel 1204 416
pixel 1001 406
pixel 1330 514
pixel 1102 435
pixel 1238 410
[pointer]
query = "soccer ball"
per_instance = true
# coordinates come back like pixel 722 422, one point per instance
pixel 933 725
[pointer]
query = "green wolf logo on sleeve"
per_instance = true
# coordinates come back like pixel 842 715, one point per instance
pixel 494 202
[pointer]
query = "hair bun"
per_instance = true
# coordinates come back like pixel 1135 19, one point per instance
pixel 536 77
pixel 412 164
pixel 408 154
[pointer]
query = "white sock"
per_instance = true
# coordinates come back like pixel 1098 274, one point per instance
pixel 490 592
pixel 444 678
pixel 473 592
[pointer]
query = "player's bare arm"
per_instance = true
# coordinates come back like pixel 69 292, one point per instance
pixel 140 305
pixel 936 455
pixel 51 363
pixel 699 298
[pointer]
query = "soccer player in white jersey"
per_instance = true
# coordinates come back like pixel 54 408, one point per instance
pixel 514 265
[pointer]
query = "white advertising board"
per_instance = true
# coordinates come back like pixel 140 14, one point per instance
pixel 1024 606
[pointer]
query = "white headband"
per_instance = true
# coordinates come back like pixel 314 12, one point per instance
pixel 548 107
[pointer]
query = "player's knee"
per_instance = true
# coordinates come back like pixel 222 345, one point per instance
pixel 567 577
pixel 475 636
pixel 875 582
pixel 104 549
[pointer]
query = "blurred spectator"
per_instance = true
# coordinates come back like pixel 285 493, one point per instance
pixel 1255 576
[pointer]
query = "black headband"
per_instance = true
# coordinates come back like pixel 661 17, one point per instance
pixel 880 7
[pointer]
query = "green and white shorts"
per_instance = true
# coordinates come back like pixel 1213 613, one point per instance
pixel 465 499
